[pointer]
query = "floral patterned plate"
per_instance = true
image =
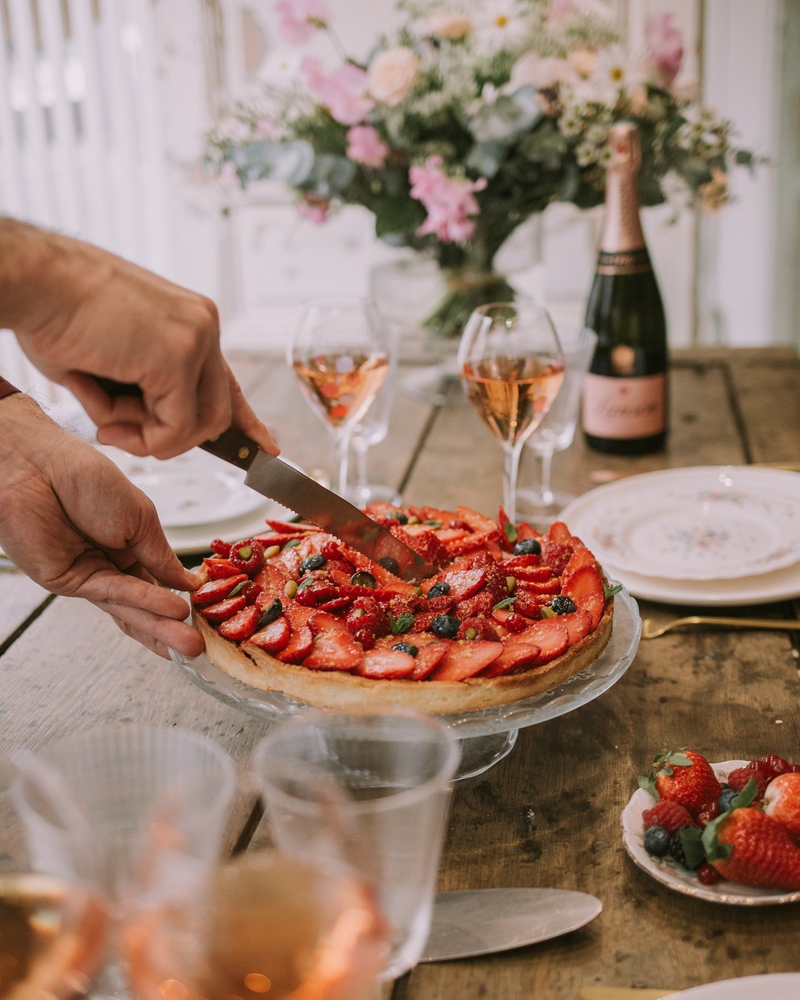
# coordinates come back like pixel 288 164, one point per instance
pixel 704 523
pixel 668 872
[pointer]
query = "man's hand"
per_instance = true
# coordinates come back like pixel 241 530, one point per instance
pixel 80 312
pixel 72 521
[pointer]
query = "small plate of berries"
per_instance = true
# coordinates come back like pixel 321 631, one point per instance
pixel 727 832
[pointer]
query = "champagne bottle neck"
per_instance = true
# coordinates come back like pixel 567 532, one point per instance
pixel 622 227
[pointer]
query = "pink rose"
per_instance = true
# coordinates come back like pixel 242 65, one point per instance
pixel 560 10
pixel 453 27
pixel 365 146
pixel 299 20
pixel 664 45
pixel 314 208
pixel 449 201
pixel 392 73
pixel 344 92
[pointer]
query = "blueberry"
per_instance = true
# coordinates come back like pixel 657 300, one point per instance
pixel 656 841
pixel 726 799
pixel 363 579
pixel 317 561
pixel 390 564
pixel 528 547
pixel 563 605
pixel 446 626
pixel 439 589
pixel 406 647
pixel 271 614
pixel 401 518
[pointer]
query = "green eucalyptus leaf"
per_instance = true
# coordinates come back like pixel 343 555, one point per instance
pixel 279 161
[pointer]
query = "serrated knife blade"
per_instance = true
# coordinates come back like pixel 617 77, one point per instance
pixel 279 481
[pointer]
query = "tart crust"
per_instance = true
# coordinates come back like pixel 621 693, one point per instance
pixel 338 689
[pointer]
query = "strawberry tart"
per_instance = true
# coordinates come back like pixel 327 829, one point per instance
pixel 513 614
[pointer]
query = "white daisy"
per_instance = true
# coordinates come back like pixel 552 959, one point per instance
pixel 616 71
pixel 502 25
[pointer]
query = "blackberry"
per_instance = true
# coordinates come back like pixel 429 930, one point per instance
pixel 317 561
pixel 528 547
pixel 563 605
pixel 406 647
pixel 676 848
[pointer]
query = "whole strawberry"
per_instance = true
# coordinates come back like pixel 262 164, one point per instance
pixel 752 848
pixel 685 777
pixel 782 802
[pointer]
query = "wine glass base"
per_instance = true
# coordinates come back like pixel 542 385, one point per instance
pixel 541 515
pixel 374 493
pixel 434 385
pixel 479 753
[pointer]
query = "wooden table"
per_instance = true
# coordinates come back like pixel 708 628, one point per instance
pixel 548 815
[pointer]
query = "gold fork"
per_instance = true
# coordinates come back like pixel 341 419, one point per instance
pixel 650 631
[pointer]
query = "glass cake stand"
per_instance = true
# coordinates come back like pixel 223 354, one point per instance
pixel 487 735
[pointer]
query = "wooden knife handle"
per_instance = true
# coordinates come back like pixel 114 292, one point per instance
pixel 231 446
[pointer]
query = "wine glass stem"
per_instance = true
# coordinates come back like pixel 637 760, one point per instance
pixel 511 454
pixel 341 443
pixel 546 466
pixel 361 464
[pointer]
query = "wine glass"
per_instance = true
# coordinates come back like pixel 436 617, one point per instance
pixel 266 922
pixel 152 803
pixel 52 928
pixel 557 431
pixel 397 768
pixel 511 367
pixel 340 356
pixel 371 430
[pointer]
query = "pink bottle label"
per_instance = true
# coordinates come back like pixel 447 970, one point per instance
pixel 624 408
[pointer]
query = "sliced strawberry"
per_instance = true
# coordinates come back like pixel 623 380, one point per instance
pixel 550 635
pixel 274 638
pixel 268 539
pixel 474 629
pixel 380 509
pixel 555 556
pixel 505 528
pixel 476 521
pixel 251 592
pixel 585 587
pixel 424 542
pixel 559 532
pixel 579 625
pixel 340 566
pixel 580 557
pixel 428 659
pixel 270 577
pixel 551 586
pixel 220 548
pixel 463 583
pixel 322 621
pixel 523 654
pixel 300 645
pixel 386 664
pixel 224 610
pixel 515 563
pixel 480 604
pixel 316 593
pixel 441 605
pixel 449 535
pixel 525 531
pixel 284 528
pixel 471 542
pixel 530 605
pixel 382 576
pixel 423 622
pixel 466 659
pixel 242 625
pixel 531 574
pixel 219 569
pixel 217 590
pixel 335 604
pixel 333 649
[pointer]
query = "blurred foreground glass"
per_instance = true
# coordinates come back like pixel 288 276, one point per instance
pixel 511 369
pixel 153 804
pixel 268 923
pixel 372 429
pixel 52 929
pixel 557 431
pixel 397 770
pixel 340 356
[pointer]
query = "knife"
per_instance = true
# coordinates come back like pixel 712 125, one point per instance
pixel 282 482
pixel 279 481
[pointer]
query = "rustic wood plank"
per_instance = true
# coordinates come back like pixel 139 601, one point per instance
pixel 549 816
pixel 773 436
pixel 19 597
pixel 73 670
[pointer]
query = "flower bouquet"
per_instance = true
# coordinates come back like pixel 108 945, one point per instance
pixel 469 119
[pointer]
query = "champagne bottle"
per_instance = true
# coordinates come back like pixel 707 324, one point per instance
pixel 625 391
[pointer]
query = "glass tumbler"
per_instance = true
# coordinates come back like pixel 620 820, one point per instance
pixel 395 770
pixel 153 803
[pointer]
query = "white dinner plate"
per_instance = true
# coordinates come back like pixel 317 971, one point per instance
pixel 191 489
pixel 778 986
pixel 668 872
pixel 707 523
pixel 188 541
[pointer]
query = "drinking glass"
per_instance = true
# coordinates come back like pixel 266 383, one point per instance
pixel 371 430
pixel 153 804
pixel 511 367
pixel 267 923
pixel 340 356
pixel 52 929
pixel 557 431
pixel 396 768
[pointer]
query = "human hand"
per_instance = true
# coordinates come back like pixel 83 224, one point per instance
pixel 73 523
pixel 80 312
